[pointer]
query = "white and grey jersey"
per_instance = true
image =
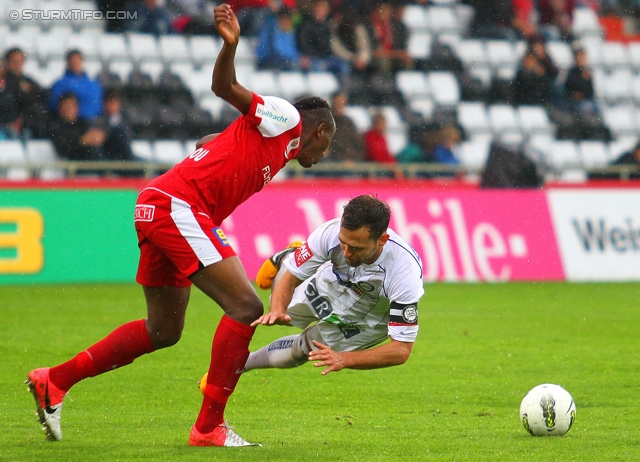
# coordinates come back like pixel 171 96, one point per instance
pixel 380 298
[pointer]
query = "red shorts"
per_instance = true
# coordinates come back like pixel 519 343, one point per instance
pixel 175 240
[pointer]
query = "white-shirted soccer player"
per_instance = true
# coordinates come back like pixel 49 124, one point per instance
pixel 352 285
pixel 177 218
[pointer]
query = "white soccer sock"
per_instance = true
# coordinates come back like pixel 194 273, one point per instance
pixel 284 353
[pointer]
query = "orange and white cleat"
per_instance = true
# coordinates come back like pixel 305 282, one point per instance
pixel 269 269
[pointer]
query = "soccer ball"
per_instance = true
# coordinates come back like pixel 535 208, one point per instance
pixel 547 410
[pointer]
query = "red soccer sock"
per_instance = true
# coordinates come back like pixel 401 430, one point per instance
pixel 117 349
pixel 229 353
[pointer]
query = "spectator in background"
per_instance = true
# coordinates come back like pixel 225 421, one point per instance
pixel 631 158
pixel 276 47
pixel 389 37
pixel 531 85
pixel 31 99
pixel 448 139
pixel 118 133
pixel 192 17
pixel 314 41
pixel 538 48
pixel 151 18
pixel 350 40
pixel 556 18
pixel 73 136
pixel 254 14
pixel 578 86
pixel 347 145
pixel 9 113
pixel 75 80
pixel 376 145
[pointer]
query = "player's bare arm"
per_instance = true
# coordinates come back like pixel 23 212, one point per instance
pixel 390 354
pixel 205 139
pixel 281 296
pixel 223 80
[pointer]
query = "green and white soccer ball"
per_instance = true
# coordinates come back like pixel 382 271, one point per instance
pixel 547 410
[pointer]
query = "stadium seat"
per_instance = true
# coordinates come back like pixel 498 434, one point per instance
pixel 419 45
pixel 168 151
pixel 504 119
pixel 87 42
pixel 621 120
pixel 443 20
pixel 203 48
pixel 113 47
pixel 51 45
pixel 615 55
pixel 323 84
pixel 621 146
pixel 361 117
pixel 143 150
pixel 152 69
pixel 585 23
pixel 121 68
pixel 423 106
pixel 43 151
pixel 473 118
pixel 412 84
pixel 13 152
pixel 473 154
pixel 392 117
pixel 617 87
pixel 143 47
pixel 501 54
pixel 561 54
pixel 213 105
pixel 633 53
pixel 444 88
pixel 396 140
pixel 24 40
pixel 472 53
pixel 564 154
pixel 415 18
pixel 174 48
pixel 52 71
pixel 292 85
pixel 245 52
pixel 534 119
pixel 264 83
pixel 593 153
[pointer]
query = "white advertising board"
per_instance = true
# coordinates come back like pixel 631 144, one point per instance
pixel 598 233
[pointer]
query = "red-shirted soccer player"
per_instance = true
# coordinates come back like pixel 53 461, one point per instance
pixel 177 218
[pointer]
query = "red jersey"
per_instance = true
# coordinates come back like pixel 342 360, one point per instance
pixel 236 164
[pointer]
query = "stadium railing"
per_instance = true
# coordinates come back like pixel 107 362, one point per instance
pixel 366 170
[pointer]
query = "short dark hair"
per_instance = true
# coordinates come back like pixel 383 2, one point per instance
pixel 369 211
pixel 67 95
pixel 314 111
pixel 11 51
pixel 112 94
pixel 70 53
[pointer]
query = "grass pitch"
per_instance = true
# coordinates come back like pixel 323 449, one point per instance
pixel 480 349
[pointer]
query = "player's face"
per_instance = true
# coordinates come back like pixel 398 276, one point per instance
pixel 315 146
pixel 358 247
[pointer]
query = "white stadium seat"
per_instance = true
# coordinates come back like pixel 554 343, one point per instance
pixel 113 47
pixel 143 47
pixel 174 48
pixel 42 151
pixel 474 153
pixel 12 151
pixel 535 119
pixel 473 118
pixel 593 153
pixel 168 151
pixel 415 17
pixel 444 88
pixel 361 117
pixel 143 150
pixel 293 85
pixel 412 84
pixel 564 154
pixel 323 84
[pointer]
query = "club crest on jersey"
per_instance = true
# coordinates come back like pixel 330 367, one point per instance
pixel 273 116
pixel 144 212
pixel 221 236
pixel 302 254
pixel 293 144
pixel 410 314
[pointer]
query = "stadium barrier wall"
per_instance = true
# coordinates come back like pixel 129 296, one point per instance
pixel 84 233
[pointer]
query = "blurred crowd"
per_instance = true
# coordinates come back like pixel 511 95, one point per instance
pixel 350 38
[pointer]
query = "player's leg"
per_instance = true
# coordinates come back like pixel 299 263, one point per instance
pixel 284 353
pixel 226 282
pixel 166 307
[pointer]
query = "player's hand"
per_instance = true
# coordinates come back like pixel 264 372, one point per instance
pixel 325 356
pixel 227 24
pixel 270 319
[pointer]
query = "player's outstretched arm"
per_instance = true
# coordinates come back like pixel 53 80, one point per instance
pixel 223 80
pixel 390 354
pixel 281 296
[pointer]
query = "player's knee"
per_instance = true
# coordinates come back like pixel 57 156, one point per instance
pixel 165 337
pixel 246 310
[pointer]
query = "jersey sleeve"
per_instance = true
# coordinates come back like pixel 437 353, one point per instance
pixel 404 291
pixel 305 261
pixel 272 115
